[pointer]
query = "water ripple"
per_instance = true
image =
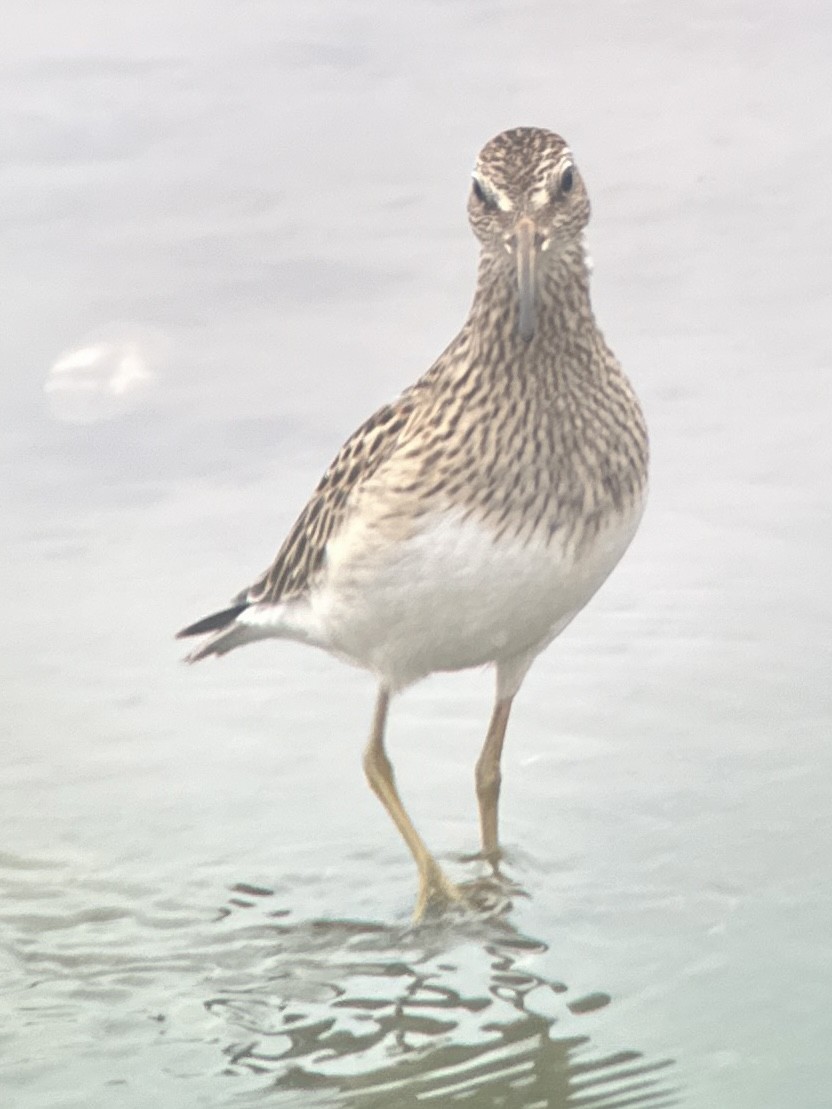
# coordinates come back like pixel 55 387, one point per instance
pixel 344 1012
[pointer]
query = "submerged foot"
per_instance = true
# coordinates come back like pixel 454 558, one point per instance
pixel 493 857
pixel 489 895
pixel 437 893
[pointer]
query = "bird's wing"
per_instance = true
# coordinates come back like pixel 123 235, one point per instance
pixel 302 554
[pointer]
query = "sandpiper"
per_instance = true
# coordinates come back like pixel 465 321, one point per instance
pixel 470 520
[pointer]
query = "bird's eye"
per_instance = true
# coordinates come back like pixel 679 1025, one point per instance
pixel 567 179
pixel 482 196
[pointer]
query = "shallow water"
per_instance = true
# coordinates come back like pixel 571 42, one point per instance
pixel 201 903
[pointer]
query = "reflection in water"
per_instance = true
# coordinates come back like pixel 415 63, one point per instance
pixel 369 1016
pixel 111 373
pixel 136 989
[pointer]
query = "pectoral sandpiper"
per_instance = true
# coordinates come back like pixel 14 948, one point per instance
pixel 470 520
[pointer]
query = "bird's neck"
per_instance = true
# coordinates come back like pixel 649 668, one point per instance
pixel 563 310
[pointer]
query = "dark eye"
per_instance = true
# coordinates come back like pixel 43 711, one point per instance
pixel 567 180
pixel 482 196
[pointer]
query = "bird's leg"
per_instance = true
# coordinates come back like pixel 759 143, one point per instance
pixel 434 886
pixel 488 779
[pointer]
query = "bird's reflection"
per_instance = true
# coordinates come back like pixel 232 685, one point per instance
pixel 355 1014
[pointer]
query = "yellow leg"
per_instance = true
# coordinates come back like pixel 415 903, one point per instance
pixel 434 886
pixel 488 779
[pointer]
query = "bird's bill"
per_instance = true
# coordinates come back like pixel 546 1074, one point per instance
pixel 525 252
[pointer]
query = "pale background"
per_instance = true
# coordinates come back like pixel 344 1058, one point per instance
pixel 267 200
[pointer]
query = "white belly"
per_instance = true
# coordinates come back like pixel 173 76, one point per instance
pixel 449 597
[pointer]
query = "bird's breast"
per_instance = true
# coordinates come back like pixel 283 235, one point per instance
pixel 455 593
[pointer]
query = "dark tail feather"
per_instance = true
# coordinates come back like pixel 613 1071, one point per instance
pixel 213 623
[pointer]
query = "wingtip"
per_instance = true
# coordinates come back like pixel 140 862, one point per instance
pixel 217 621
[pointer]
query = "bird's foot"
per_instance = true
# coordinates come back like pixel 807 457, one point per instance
pixel 491 895
pixel 493 857
pixel 486 896
pixel 437 893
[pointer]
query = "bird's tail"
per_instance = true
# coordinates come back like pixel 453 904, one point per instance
pixel 223 630
pixel 247 621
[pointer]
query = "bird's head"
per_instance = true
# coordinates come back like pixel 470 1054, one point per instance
pixel 528 207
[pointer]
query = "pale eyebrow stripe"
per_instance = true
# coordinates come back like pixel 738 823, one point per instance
pixel 540 197
pixel 501 200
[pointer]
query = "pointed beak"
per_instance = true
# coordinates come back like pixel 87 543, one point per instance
pixel 526 249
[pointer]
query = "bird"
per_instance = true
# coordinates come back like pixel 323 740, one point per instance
pixel 466 523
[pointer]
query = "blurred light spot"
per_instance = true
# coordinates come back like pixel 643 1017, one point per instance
pixel 110 374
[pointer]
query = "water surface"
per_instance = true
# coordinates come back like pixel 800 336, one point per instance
pixel 201 903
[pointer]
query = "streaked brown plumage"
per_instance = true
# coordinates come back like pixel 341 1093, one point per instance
pixel 471 519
